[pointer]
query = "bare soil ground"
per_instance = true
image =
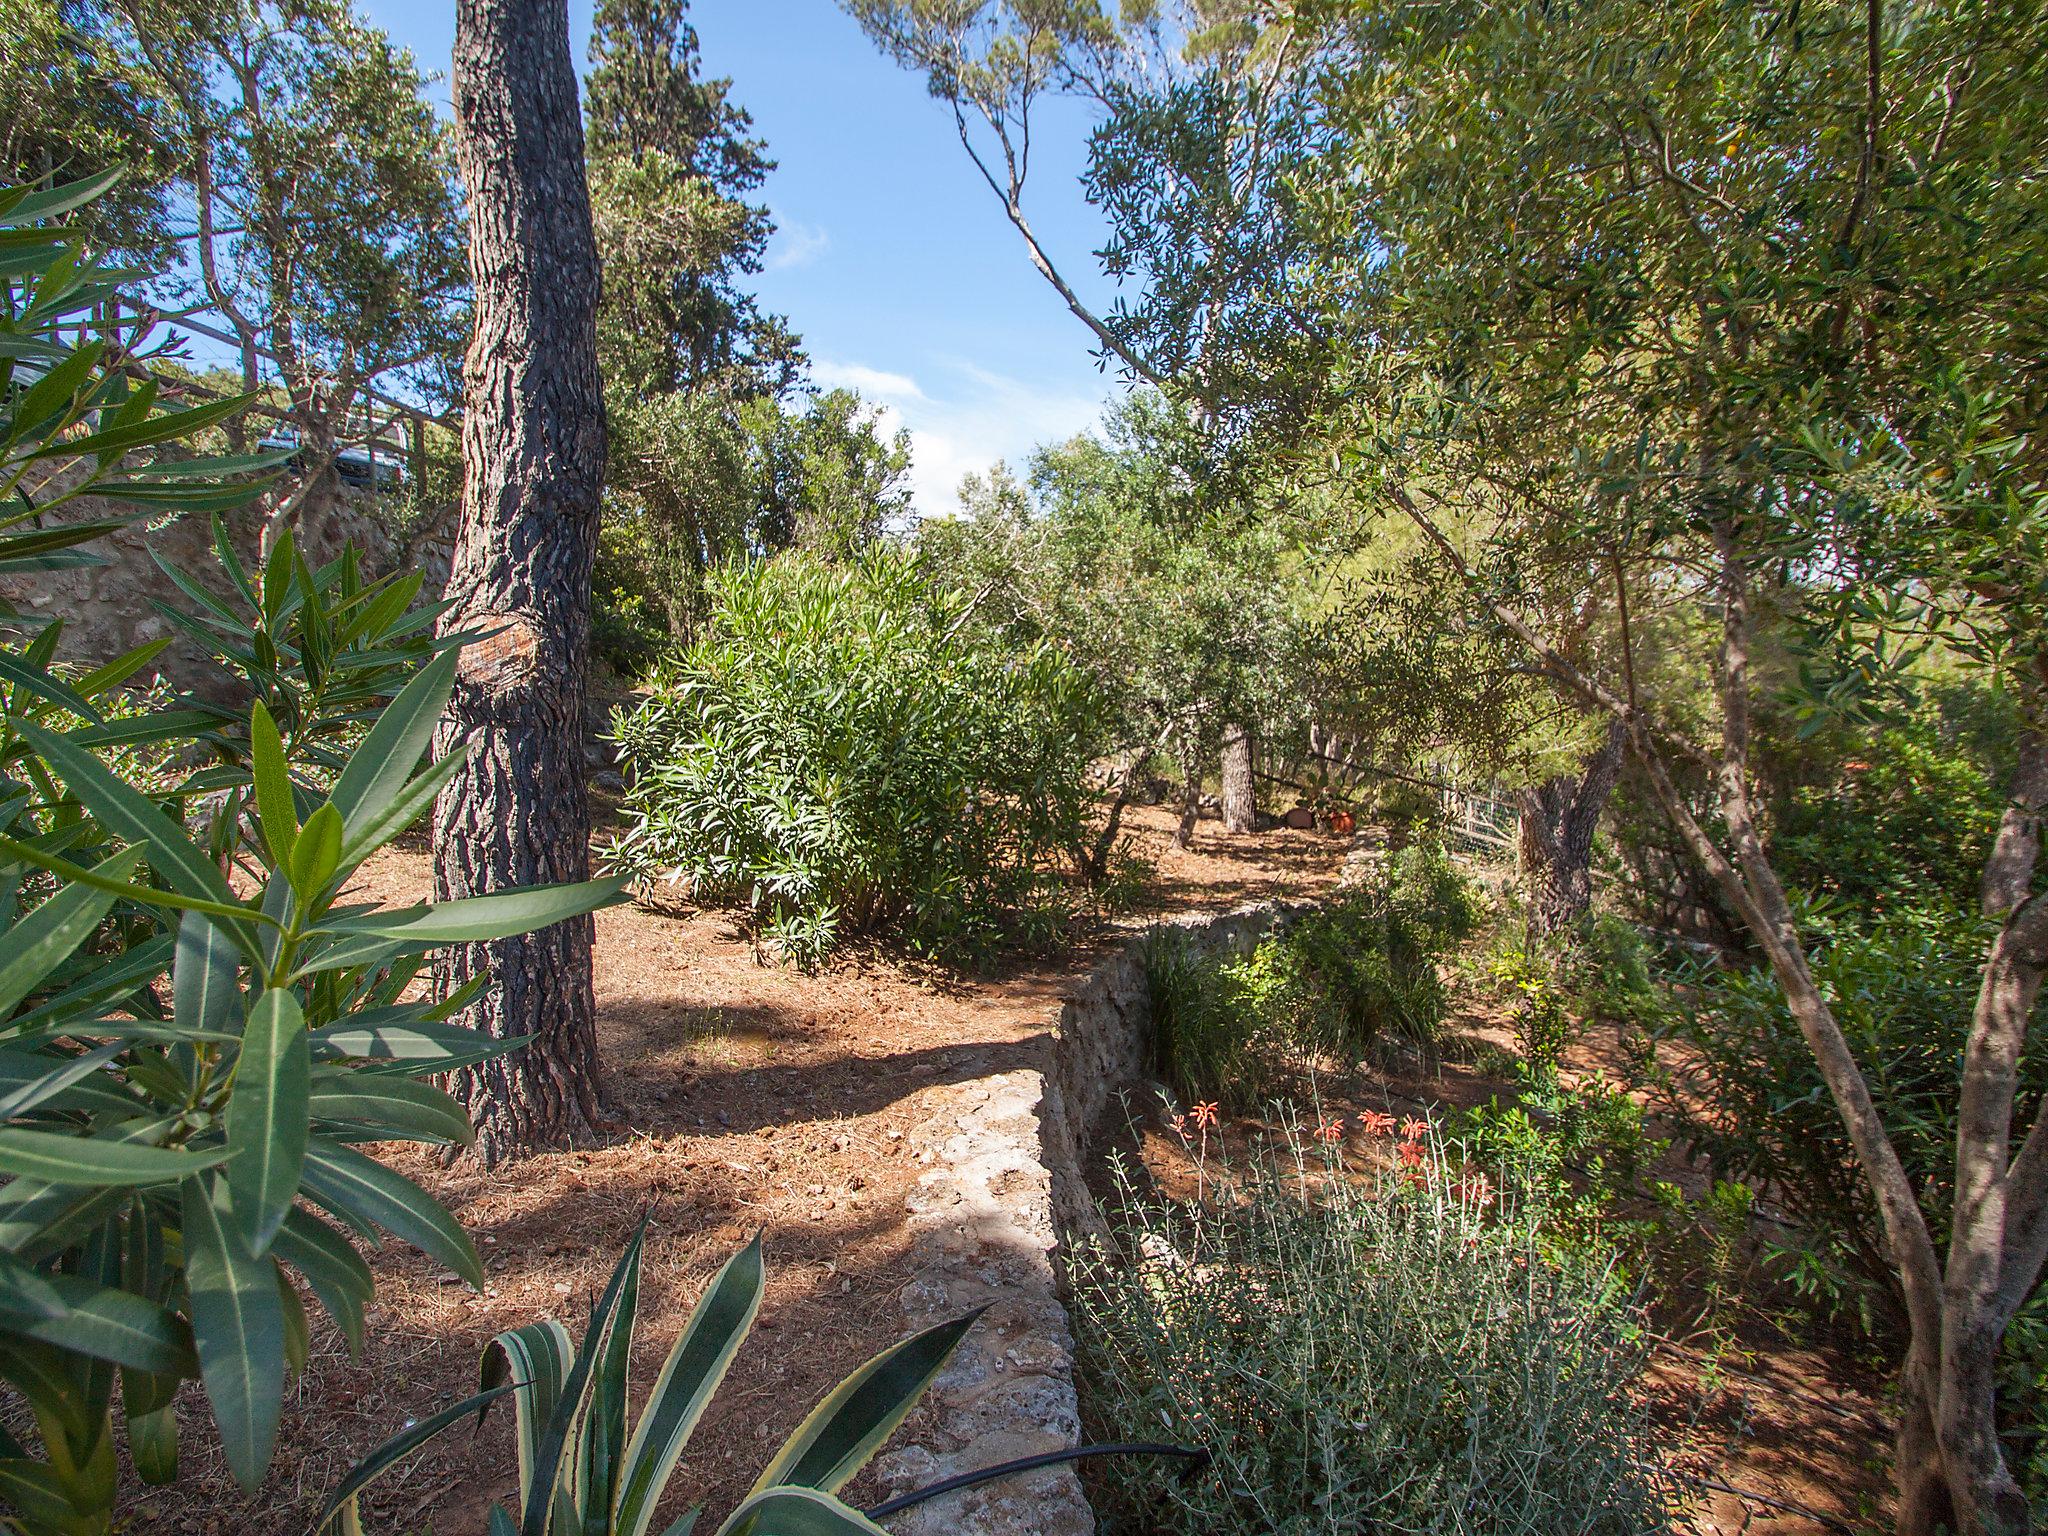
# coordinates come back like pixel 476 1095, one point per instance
pixel 750 1096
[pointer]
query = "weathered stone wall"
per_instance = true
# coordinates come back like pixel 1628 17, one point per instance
pixel 1008 1157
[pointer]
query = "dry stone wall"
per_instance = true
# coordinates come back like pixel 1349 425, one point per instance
pixel 1006 1184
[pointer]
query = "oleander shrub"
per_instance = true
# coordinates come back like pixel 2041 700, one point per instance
pixel 200 1027
pixel 840 755
pixel 1388 1354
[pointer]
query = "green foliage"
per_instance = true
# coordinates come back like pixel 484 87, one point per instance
pixel 1324 988
pixel 705 478
pixel 839 755
pixel 1375 1355
pixel 1897 817
pixel 1754 1103
pixel 330 214
pixel 196 1029
pixel 585 1470
pixel 1184 615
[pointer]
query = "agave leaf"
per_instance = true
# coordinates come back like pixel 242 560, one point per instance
pixel 535 1359
pixel 835 1441
pixel 717 1327
pixel 797 1512
pixel 551 1456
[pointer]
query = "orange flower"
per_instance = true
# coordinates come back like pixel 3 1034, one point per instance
pixel 1373 1123
pixel 1414 1130
pixel 1180 1125
pixel 1330 1130
pixel 1411 1154
pixel 1206 1114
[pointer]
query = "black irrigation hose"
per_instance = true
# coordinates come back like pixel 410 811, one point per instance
pixel 1196 1458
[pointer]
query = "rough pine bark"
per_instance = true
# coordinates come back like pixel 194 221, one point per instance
pixel 1240 799
pixel 1557 821
pixel 533 445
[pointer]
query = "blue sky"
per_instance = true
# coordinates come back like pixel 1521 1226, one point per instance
pixel 894 259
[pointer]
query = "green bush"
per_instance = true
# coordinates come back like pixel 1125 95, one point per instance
pixel 1901 817
pixel 839 755
pixel 1391 1356
pixel 1324 988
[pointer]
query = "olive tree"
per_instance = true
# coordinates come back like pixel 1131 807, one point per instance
pixel 1738 305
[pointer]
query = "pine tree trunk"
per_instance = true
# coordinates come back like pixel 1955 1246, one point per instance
pixel 533 445
pixel 1558 819
pixel 1240 792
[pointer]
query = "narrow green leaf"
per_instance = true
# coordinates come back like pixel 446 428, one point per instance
pixel 93 1161
pixel 274 807
pixel 475 919
pixel 267 1127
pixel 238 1327
pixel 317 855
pixel 206 990
pixel 104 1323
pixel 349 1181
pixel 68 1071
pixel 40 684
pixel 238 919
pixel 377 1101
pixel 379 769
pixel 126 813
pixel 331 1266
pixel 153 1443
pixel 374 829
pixel 41 941
pixel 421 1041
pixel 695 1366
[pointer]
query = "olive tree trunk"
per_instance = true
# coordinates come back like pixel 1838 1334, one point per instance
pixel 1191 786
pixel 533 447
pixel 1240 799
pixel 1557 821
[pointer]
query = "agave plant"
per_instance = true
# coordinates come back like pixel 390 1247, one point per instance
pixel 583 1471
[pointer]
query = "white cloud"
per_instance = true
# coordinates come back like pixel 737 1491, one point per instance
pixel 967 418
pixel 872 382
pixel 797 244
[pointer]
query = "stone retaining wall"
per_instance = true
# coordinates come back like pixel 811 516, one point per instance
pixel 1008 1160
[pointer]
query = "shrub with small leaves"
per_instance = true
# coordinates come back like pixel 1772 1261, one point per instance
pixel 1391 1353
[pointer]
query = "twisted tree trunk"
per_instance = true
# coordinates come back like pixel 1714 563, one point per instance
pixel 1240 791
pixel 1191 787
pixel 533 445
pixel 1557 823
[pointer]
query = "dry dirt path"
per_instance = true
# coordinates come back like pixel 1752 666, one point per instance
pixel 748 1096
